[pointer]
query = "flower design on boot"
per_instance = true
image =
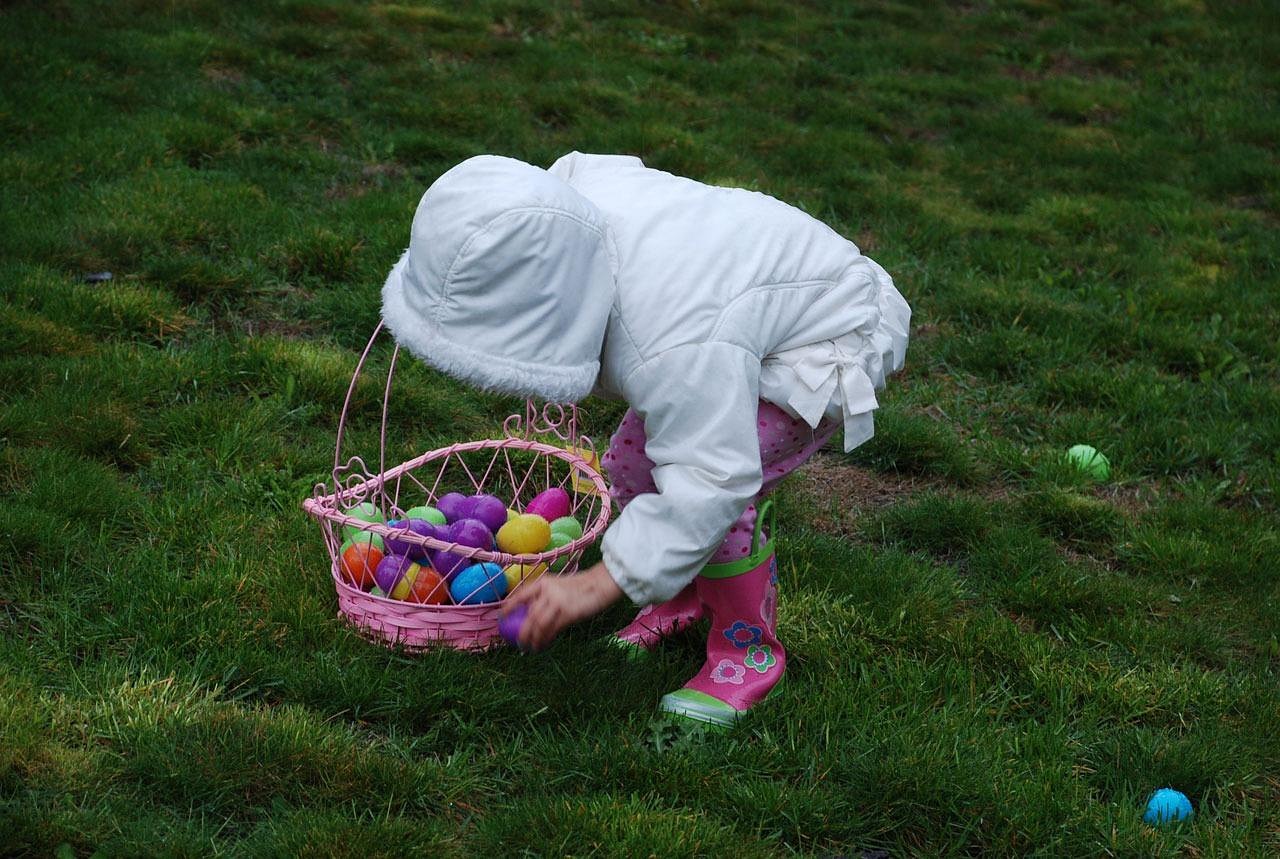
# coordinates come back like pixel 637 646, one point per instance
pixel 769 607
pixel 743 634
pixel 728 671
pixel 760 658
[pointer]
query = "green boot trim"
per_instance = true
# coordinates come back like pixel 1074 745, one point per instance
pixel 698 706
pixel 757 556
pixel 692 704
pixel 633 651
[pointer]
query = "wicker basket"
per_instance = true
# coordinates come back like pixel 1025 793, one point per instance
pixel 540 449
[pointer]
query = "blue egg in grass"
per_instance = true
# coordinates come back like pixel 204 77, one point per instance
pixel 1166 806
pixel 478 583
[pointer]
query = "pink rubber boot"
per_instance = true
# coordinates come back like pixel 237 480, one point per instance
pixel 657 622
pixel 745 660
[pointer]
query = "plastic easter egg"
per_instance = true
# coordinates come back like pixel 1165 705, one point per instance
pixel 525 534
pixel 510 623
pixel 400 546
pixel 558 539
pixel 428 588
pixel 550 504
pixel 517 573
pixel 1089 460
pixel 567 525
pixel 1166 806
pixel 402 588
pixel 511 514
pixel 393 524
pixel 390 570
pixel 478 583
pixel 470 532
pixel 359 559
pixel 430 514
pixel 365 511
pixel 376 592
pixel 449 564
pixel 454 506
pixel 369 538
pixel 490 510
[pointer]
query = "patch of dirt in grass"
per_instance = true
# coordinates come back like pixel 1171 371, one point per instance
pixel 1060 65
pixel 14 474
pixel 220 74
pixel 372 176
pixel 1132 501
pixel 289 329
pixel 1025 625
pixel 837 491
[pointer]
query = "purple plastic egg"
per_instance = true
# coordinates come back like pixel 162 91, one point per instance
pixel 509 625
pixel 455 506
pixel 389 571
pixel 447 564
pixel 400 546
pixel 472 532
pixel 490 510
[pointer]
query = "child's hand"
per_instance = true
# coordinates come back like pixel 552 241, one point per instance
pixel 554 602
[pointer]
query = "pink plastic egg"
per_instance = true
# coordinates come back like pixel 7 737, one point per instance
pixel 550 504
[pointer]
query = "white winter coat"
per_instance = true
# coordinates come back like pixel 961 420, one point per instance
pixel 688 301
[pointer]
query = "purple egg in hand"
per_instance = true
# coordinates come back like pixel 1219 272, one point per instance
pixel 489 509
pixel 389 571
pixel 509 625
pixel 455 506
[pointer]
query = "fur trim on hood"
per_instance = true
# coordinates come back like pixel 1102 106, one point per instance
pixel 507 283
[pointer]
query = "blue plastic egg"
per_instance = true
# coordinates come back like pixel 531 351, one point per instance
pixel 478 583
pixel 1167 805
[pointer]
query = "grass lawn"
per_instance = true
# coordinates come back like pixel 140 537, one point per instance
pixel 991 654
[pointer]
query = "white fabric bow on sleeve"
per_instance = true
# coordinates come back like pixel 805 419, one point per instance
pixel 824 369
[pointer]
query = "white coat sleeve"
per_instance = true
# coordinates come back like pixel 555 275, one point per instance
pixel 699 404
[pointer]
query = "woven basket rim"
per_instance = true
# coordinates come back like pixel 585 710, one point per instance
pixel 326 507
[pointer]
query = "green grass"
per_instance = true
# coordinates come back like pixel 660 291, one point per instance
pixel 991 657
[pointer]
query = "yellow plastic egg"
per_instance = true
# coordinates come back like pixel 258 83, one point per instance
pixel 402 588
pixel 517 573
pixel 524 534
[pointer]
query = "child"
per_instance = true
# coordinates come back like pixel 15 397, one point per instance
pixel 741 332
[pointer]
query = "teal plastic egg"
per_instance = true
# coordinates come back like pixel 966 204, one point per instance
pixel 478 583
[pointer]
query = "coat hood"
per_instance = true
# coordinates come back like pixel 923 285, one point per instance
pixel 507 283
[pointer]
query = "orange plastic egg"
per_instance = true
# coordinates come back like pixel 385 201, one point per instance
pixel 428 588
pixel 359 559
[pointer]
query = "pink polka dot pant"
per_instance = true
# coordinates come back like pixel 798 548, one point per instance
pixel 785 443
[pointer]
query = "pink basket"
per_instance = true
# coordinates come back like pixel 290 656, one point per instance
pixel 539 450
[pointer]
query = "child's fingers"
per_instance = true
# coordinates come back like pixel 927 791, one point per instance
pixel 523 595
pixel 541 624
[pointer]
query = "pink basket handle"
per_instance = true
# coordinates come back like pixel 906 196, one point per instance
pixel 556 422
pixel 339 467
